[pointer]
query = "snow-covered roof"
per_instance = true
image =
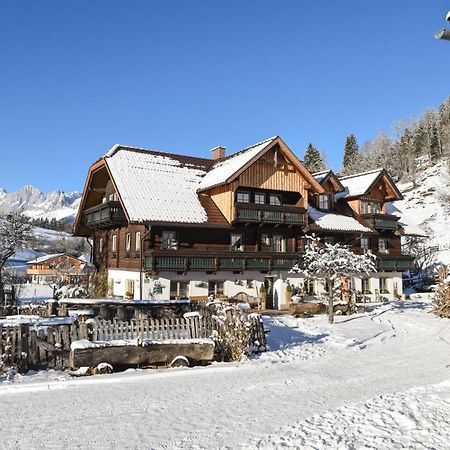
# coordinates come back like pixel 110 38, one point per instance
pixel 42 259
pixel 336 222
pixel 358 184
pixel 319 176
pixel 328 175
pixel 225 169
pixel 409 225
pixel 156 186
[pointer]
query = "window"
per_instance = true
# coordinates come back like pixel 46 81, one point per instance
pixel 137 241
pixel 243 197
pixel 365 245
pixel 366 285
pixel 384 286
pixel 237 243
pixel 100 245
pixel 169 240
pixel 114 243
pixel 324 201
pixel 215 288
pixel 278 244
pixel 370 207
pixel 329 240
pixel 383 245
pixel 275 200
pixel 178 289
pixel 128 242
pixel 260 198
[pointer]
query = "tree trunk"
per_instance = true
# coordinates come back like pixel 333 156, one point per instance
pixel 330 301
pixel 2 290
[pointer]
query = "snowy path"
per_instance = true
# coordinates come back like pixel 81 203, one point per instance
pixel 369 381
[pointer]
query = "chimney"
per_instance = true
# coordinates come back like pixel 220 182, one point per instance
pixel 218 152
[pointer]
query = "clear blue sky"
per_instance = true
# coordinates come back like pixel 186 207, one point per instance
pixel 184 76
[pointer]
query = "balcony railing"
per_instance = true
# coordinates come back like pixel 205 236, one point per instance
pixel 398 263
pixel 288 215
pixel 381 221
pixel 160 260
pixel 105 215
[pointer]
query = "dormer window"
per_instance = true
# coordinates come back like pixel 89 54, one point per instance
pixel 324 201
pixel 260 198
pixel 243 197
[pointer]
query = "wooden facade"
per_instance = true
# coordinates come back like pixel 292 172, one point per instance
pixel 257 220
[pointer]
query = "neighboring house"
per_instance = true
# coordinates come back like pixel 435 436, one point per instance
pixel 168 226
pixel 55 268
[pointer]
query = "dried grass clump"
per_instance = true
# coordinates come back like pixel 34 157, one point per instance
pixel 441 299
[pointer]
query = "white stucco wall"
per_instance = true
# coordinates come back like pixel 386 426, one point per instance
pixel 237 283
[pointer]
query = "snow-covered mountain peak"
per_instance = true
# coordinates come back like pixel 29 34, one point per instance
pixel 34 203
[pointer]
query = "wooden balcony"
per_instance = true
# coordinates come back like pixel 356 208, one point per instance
pixel 287 215
pixel 191 260
pixel 381 221
pixel 105 215
pixel 398 263
pixel 33 271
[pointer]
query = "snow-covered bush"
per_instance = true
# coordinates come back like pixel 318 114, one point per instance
pixel 234 332
pixel 71 291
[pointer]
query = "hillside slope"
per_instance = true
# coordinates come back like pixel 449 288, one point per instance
pixel 427 204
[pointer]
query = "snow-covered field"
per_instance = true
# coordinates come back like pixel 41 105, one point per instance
pixel 377 380
pixel 35 292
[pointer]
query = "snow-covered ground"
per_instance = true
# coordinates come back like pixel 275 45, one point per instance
pixel 35 292
pixel 376 380
pixel 424 206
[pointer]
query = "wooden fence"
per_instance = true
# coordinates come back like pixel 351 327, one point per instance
pixel 29 347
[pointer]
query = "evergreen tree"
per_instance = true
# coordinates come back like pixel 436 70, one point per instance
pixel 351 155
pixel 434 143
pixel 313 160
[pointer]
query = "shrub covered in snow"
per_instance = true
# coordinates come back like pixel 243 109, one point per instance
pixel 236 334
pixel 71 291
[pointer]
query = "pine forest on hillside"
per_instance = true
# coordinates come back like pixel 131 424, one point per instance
pixel 417 142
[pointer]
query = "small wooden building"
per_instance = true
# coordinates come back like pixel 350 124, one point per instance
pixel 55 268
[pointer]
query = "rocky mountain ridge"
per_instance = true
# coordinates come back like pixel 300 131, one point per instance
pixel 35 204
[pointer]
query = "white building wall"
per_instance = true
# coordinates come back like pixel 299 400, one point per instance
pixel 158 288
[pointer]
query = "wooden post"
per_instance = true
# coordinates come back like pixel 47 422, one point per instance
pixel 330 301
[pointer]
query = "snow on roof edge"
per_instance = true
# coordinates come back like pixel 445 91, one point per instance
pixel 45 258
pixel 336 222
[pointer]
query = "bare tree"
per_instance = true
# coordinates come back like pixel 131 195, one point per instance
pixel 425 254
pixel 15 233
